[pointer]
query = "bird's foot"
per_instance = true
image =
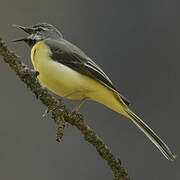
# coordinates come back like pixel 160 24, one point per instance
pixel 37 73
pixel 45 113
pixel 77 107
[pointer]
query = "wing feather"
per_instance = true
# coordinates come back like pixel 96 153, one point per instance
pixel 68 54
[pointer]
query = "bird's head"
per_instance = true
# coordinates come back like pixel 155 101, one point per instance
pixel 38 32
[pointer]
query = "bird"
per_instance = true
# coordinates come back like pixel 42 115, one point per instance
pixel 67 71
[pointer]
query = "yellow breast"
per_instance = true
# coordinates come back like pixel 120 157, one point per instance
pixel 55 76
pixel 63 80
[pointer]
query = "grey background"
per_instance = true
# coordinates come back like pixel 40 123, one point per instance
pixel 137 43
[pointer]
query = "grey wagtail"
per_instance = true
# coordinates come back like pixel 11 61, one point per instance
pixel 67 71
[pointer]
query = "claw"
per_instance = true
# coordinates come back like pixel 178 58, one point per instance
pixel 37 73
pixel 45 113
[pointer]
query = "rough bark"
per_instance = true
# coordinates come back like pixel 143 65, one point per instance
pixel 60 114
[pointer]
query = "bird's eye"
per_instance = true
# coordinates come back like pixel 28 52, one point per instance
pixel 40 29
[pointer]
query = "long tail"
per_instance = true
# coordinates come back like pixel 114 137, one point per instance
pixel 151 135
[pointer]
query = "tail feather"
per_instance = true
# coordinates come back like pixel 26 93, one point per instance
pixel 151 135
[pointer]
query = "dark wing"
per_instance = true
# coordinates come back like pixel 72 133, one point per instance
pixel 71 56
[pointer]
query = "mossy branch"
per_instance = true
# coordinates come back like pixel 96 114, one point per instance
pixel 60 114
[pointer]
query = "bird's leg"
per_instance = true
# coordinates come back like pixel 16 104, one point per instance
pixel 79 105
pixel 61 99
pixel 68 95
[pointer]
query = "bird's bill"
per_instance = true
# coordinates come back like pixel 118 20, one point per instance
pixel 28 30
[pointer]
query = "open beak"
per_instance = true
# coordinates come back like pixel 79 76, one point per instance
pixel 28 30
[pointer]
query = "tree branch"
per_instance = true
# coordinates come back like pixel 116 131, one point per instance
pixel 59 112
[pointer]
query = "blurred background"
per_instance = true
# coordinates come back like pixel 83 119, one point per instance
pixel 137 44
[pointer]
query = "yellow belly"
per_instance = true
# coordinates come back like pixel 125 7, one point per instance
pixel 55 76
pixel 64 81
